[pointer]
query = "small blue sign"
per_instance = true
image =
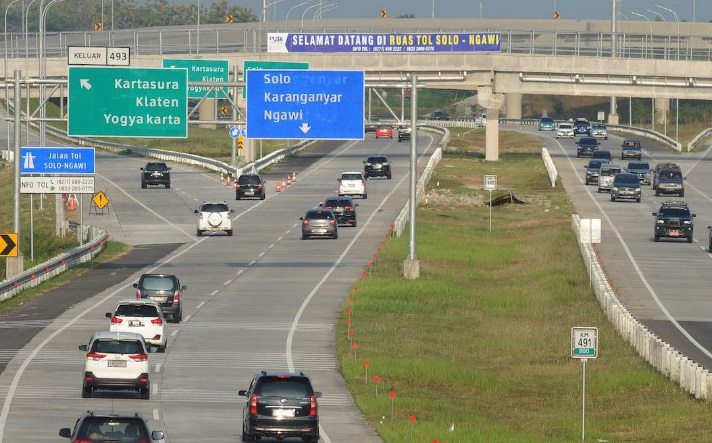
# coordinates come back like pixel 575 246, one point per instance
pixel 299 104
pixel 237 131
pixel 51 160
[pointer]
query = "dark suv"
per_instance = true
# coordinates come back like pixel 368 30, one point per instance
pixel 669 181
pixel 675 220
pixel 111 426
pixel 280 405
pixel 343 207
pixel 586 146
pixel 250 186
pixel 377 166
pixel 166 290
pixel 155 173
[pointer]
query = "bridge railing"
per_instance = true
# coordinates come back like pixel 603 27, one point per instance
pixel 217 39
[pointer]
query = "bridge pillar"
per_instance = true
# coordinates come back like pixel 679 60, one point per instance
pixel 514 105
pixel 492 102
pixel 206 111
pixel 662 110
pixel 613 113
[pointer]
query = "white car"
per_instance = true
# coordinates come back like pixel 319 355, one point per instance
pixel 565 130
pixel 599 130
pixel 214 217
pixel 352 183
pixel 116 360
pixel 142 316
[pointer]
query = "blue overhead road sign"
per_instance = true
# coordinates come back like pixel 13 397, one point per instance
pixel 53 160
pixel 295 104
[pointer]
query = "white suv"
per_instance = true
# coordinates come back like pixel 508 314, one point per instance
pixel 352 183
pixel 214 216
pixel 116 360
pixel 143 316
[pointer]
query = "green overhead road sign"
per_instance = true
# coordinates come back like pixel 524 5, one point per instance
pixel 200 70
pixel 127 102
pixel 258 64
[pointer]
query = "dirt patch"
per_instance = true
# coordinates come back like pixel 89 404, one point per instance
pixel 445 197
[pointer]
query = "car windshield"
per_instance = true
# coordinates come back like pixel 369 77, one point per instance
pixel 117 347
pixel 547 120
pixel 627 179
pixel 249 180
pixel 156 167
pixel 351 177
pixel 670 175
pixel 631 143
pixel 675 212
pixel 593 164
pixel 638 166
pixel 565 126
pixel 214 207
pixel 284 387
pixel 158 283
pixel 136 310
pixel 598 126
pixel 100 429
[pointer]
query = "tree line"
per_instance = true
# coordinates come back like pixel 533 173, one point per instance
pixel 82 15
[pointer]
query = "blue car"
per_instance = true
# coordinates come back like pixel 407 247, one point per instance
pixel 546 124
pixel 582 127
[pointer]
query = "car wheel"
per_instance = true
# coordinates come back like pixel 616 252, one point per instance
pixel 682 194
pixel 335 236
pixel 229 232
pixel 588 182
pixel 145 394
pixel 613 198
pixel 637 199
pixel 353 225
pixel 168 186
pixel 177 318
pixel 199 232
pixel 365 196
pixel 388 176
pixel 86 392
pixel 578 155
pixel 599 190
pixel 161 349
pixel 144 185
pixel 657 193
pixel 304 237
pixel 310 439
pixel 657 238
pixel 237 196
pixel 262 197
pixel 689 239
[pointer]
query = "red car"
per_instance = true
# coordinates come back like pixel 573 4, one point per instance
pixel 384 131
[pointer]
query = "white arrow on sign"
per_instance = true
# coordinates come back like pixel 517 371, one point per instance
pixel 85 83
pixel 305 127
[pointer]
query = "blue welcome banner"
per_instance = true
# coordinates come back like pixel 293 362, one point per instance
pixel 385 43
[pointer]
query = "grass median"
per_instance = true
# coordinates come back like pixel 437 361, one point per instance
pixel 478 348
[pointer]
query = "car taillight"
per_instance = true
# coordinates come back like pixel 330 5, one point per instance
pixel 327 207
pixel 116 320
pixel 138 357
pixel 138 294
pixel 332 222
pixel 259 186
pixel 253 404
pixel 312 405
pixel 95 356
pixel 237 186
pixel 176 297
pixel 305 222
pixel 82 441
pixel 349 208
pixel 157 321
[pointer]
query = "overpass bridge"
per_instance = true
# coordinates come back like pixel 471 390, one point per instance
pixel 578 58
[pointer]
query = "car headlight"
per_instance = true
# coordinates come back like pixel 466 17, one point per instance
pixel 660 222
pixel 637 189
pixel 615 189
pixel 687 222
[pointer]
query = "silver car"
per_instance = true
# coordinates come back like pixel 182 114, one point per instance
pixel 606 174
pixel 599 130
pixel 565 130
pixel 319 222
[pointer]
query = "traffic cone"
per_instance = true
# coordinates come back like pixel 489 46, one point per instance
pixel 279 189
pixel 289 180
pixel 72 203
pixel 284 184
pixel 227 183
pixel 294 177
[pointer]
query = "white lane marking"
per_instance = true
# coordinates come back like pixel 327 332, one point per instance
pixel 272 245
pixel 174 333
pixel 638 271
pixel 187 317
pixel 252 263
pixel 305 303
pixel 200 305
pixel 157 369
pixel 156 415
pixel 214 292
pixel 262 254
pixel 154 388
pixel 240 271
pixel 227 283
pixel 279 239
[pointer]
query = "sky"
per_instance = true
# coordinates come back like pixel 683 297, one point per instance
pixel 686 10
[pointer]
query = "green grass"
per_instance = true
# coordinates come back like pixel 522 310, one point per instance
pixel 481 340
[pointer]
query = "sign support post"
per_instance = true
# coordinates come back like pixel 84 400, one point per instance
pixel 490 185
pixel 584 345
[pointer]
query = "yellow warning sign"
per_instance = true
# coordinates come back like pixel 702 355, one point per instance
pixel 384 13
pixel 8 244
pixel 100 200
pixel 557 15
pixel 240 144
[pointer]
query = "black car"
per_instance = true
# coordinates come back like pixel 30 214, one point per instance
pixel 669 181
pixel 319 222
pixel 674 220
pixel 642 169
pixel 659 167
pixel 593 169
pixel 344 209
pixel 631 148
pixel 626 186
pixel 404 134
pixel 377 166
pixel 586 146
pixel 166 290
pixel 156 173
pixel 110 426
pixel 250 186
pixel 280 405
pixel 602 154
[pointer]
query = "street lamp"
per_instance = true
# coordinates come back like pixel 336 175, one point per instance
pixel 325 8
pixel 678 26
pixel 433 15
pixel 7 92
pixel 318 5
pixel 286 19
pixel 197 38
pixel 650 25
pixel 265 6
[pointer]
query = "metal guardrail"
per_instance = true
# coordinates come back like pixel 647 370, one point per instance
pixel 689 375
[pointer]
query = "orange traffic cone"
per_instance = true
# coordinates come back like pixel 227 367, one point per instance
pixel 279 189
pixel 289 180
pixel 227 183
pixel 284 184
pixel 294 177
pixel 72 203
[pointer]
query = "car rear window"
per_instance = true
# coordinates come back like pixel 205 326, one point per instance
pixel 136 310
pixel 117 347
pixel 156 167
pixel 214 207
pixel 158 283
pixel 113 429
pixel 248 180
pixel 292 387
pixel 319 215
pixel 332 202
pixel 351 177
pixel 377 160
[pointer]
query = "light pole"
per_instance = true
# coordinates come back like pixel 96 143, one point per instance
pixel 266 5
pixel 318 5
pixel 197 38
pixel 42 68
pixel 286 19
pixel 326 8
pixel 7 91
pixel 678 26
pixel 649 24
pixel 433 14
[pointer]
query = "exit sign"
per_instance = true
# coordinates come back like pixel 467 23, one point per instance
pixel 127 102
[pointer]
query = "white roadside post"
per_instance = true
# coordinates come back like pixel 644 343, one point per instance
pixel 584 345
pixel 490 185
